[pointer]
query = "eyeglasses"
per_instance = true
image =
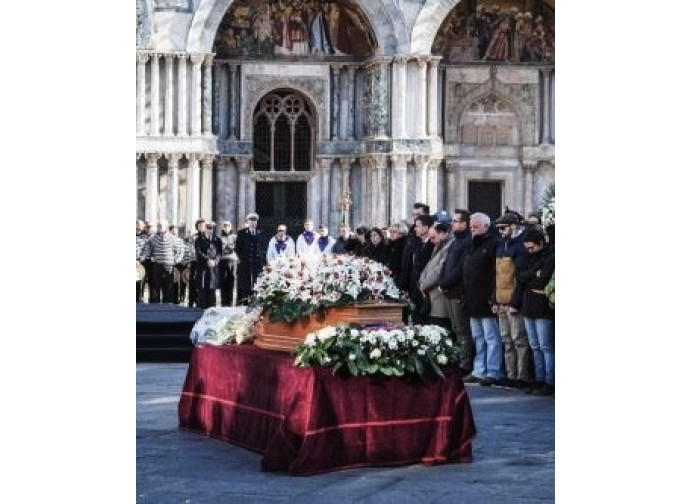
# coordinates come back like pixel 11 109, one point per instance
pixel 502 228
pixel 281 229
pixel 252 218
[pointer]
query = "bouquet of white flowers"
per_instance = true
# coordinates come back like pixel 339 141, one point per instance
pixel 290 287
pixel 392 351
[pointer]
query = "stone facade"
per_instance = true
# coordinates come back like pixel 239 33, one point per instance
pixel 400 125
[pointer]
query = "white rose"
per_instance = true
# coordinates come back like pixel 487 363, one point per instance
pixel 375 353
pixel 442 359
pixel 352 356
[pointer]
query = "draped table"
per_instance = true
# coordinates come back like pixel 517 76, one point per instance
pixel 307 421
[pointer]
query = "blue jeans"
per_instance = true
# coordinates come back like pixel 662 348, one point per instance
pixel 487 341
pixel 541 334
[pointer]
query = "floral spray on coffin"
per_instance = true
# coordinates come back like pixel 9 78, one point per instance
pixel 300 295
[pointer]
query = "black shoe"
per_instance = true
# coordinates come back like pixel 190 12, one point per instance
pixel 519 384
pixel 487 382
pixel 544 390
pixel 470 378
pixel 532 386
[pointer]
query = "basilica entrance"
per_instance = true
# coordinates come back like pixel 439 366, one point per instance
pixel 281 203
pixel 485 197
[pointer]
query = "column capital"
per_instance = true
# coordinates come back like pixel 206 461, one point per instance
pixel 208 58
pixel 401 59
pixel 546 70
pixel 399 159
pixel 193 157
pixel 207 160
pixel 529 165
pixel 173 158
pixel 142 57
pixel 433 163
pixel 154 56
pixel 422 60
pixel 243 165
pixel 181 56
pixel 197 58
pixel 337 67
pixel 435 60
pixel 152 158
pixel 169 57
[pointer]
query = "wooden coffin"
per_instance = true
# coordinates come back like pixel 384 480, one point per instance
pixel 284 337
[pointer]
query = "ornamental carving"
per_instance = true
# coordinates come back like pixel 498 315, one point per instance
pixel 256 86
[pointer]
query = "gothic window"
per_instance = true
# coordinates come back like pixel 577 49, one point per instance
pixel 283 132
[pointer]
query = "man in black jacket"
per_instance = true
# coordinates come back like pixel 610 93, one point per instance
pixel 479 284
pixel 250 247
pixel 451 285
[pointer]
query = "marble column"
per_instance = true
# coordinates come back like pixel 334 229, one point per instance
pixel 193 189
pixel 197 59
pixel 432 184
pixel 382 99
pixel 207 187
pixel 325 165
pixel 379 192
pixel 336 182
pixel 155 97
pixel 207 92
pixel 142 58
pixel 420 116
pixel 545 100
pixel 399 91
pixel 232 91
pixel 335 102
pixel 420 178
pixel 215 115
pixel 226 190
pixel 351 102
pixel 173 188
pixel 451 197
pixel 152 206
pixel 432 99
pixel 344 104
pixel 398 200
pixel 169 58
pixel 365 191
pixel 242 204
pixel 182 95
pixel 529 168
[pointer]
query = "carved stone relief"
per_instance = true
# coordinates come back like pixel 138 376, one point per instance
pixel 313 87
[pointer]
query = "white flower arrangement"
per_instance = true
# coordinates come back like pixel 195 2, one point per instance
pixel 225 326
pixel 392 351
pixel 291 287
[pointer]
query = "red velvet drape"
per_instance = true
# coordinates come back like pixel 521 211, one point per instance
pixel 307 421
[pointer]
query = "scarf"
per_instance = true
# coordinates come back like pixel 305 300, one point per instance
pixel 280 246
pixel 323 243
pixel 308 237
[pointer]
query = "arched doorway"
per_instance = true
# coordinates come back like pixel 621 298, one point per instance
pixel 283 150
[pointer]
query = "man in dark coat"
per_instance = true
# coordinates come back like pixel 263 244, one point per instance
pixel 451 285
pixel 250 247
pixel 209 250
pixel 479 283
pixel 420 257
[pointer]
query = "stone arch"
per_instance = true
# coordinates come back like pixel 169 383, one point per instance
pixel 209 13
pixel 522 111
pixel 428 23
pixel 488 98
pixel 257 95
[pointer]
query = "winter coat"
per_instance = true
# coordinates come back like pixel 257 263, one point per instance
pixel 479 275
pixel 511 256
pixel 428 279
pixel 451 275
pixel 208 248
pixel 530 298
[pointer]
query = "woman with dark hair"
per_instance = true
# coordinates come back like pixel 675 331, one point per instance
pixel 362 235
pixel 377 246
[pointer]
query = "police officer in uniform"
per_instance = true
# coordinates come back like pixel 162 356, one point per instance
pixel 250 247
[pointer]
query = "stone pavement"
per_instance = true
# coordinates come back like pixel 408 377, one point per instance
pixel 514 454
